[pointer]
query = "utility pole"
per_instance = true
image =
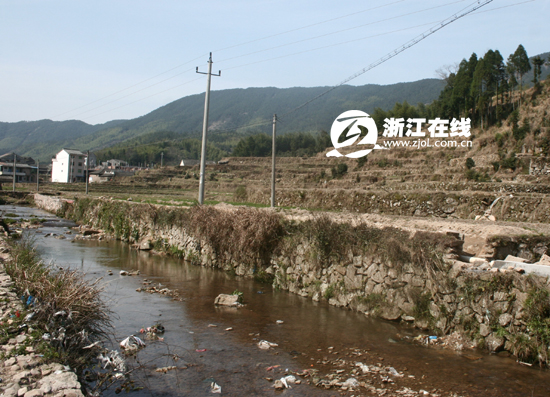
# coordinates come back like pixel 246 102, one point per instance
pixel 273 146
pixel 37 176
pixel 161 159
pixel 14 156
pixel 87 170
pixel 205 127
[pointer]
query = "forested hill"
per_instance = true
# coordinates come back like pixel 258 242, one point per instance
pixel 41 139
pixel 229 110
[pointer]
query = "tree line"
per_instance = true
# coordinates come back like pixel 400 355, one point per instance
pixel 486 90
pixel 292 145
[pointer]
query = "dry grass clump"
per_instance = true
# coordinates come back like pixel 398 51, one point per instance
pixel 245 235
pixel 65 306
pixel 335 240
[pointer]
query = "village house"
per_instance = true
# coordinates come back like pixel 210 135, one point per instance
pixel 25 168
pixel 69 166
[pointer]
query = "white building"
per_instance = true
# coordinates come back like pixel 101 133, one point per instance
pixel 69 166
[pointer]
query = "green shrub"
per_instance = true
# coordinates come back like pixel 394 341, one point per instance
pixel 339 170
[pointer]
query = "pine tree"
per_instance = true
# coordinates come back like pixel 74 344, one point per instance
pixel 521 64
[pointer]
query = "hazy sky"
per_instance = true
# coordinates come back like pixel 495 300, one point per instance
pixel 103 60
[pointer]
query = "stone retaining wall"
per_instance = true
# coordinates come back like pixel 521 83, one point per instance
pixel 496 309
pixel 48 203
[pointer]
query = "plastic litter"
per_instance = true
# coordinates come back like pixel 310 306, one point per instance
pixel 132 343
pixel 29 316
pixel 279 321
pixel 432 337
pixel 215 388
pixel 112 359
pixel 265 345
pixel 200 350
pixel 289 379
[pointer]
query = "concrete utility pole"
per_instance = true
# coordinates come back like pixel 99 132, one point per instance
pixel 205 127
pixel 273 147
pixel 14 156
pixel 87 170
pixel 37 176
pixel 161 159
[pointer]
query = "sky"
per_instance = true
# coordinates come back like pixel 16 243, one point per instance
pixel 105 60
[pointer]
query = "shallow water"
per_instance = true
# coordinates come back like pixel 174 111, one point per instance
pixel 232 359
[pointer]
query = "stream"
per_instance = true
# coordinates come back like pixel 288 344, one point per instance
pixel 218 344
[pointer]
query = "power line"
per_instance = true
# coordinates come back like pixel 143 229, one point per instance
pixel 394 53
pixel 399 50
pixel 332 45
pixel 222 49
pixel 408 14
pixel 268 49
pixel 309 26
pixel 410 43
pixel 138 100
pixel 132 86
pixel 252 63
pixel 133 93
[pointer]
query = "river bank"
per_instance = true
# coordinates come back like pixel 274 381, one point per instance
pixel 24 372
pixel 388 272
pixel 316 338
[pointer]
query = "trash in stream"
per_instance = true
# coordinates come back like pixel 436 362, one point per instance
pixel 215 388
pixel 132 343
pixel 200 350
pixel 151 333
pixel 265 345
pixel 112 359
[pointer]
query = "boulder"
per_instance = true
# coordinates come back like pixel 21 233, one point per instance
pixel 494 343
pixel 390 313
pixel 227 300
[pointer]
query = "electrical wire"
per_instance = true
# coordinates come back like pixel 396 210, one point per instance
pixel 222 49
pixel 284 45
pixel 331 45
pixel 408 14
pixel 407 45
pixel 132 86
pixel 309 26
pixel 141 99
pixel 445 22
